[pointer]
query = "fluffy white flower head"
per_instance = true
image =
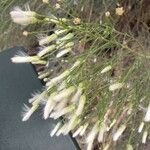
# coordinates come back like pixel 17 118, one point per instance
pixel 23 17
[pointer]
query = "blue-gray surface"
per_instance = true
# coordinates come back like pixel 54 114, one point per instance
pixel 17 82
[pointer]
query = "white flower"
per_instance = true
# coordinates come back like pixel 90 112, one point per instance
pixel 42 62
pixel 40 99
pixel 23 17
pixel 81 105
pixel 34 97
pixel 92 135
pixel 23 58
pixel 62 130
pixel 62 112
pixel 76 64
pixel 61 86
pixel 141 127
pixel 63 52
pixel 55 20
pixel 77 21
pixel 47 39
pixel 144 137
pixel 64 46
pixel 44 75
pixel 115 86
pixel 49 106
pixel 111 125
pixel 20 59
pixel 60 31
pixel 55 129
pixel 101 132
pixel 119 11
pixel 45 79
pixel 28 112
pixel 107 13
pixel 46 50
pixel 64 93
pixel 61 104
pixel 57 79
pixel 106 69
pixel 60 44
pixel 147 116
pixel 78 131
pixel 77 95
pixel 119 132
pixel 67 37
pixel 25 33
pixel 74 120
pixel 84 129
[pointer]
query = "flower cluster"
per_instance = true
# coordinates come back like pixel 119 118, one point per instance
pixel 102 118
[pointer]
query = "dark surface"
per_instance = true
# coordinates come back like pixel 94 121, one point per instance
pixel 17 82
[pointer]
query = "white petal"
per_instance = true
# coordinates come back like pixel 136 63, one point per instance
pixel 63 52
pixel 46 50
pixel 49 106
pixel 144 137
pixel 147 116
pixel 81 105
pixel 55 129
pixel 84 129
pixel 77 132
pixel 141 127
pixel 28 114
pixel 119 132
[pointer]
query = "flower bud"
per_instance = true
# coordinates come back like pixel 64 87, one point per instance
pixel 67 37
pixel 144 137
pixel 60 32
pixel 107 13
pixel 119 11
pixel 147 116
pixel 141 127
pixel 106 69
pixel 84 129
pixel 77 21
pixel 63 52
pixel 47 39
pixel 46 50
pixel 25 33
